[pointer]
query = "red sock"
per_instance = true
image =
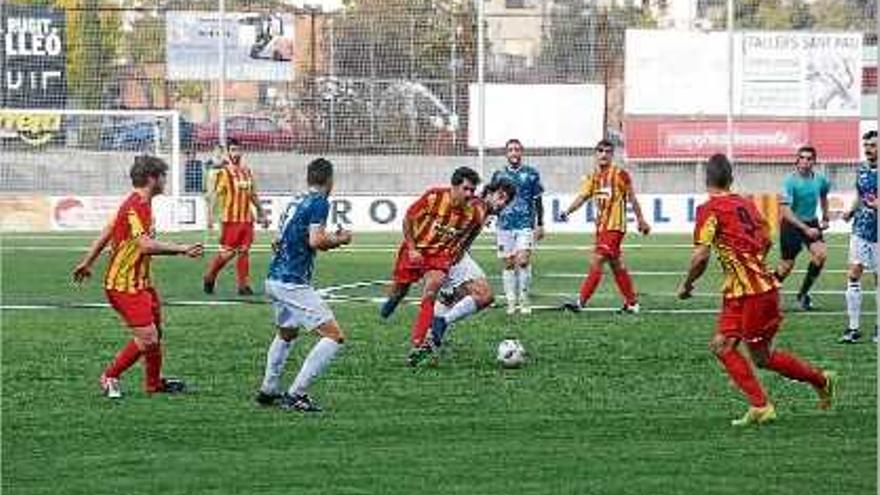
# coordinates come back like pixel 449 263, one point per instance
pixel 243 269
pixel 792 367
pixel 216 265
pixel 625 285
pixel 590 284
pixel 125 358
pixel 741 373
pixel 153 368
pixel 423 322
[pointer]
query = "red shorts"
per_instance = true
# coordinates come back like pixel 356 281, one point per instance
pixel 752 318
pixel 138 309
pixel 608 243
pixel 237 235
pixel 408 272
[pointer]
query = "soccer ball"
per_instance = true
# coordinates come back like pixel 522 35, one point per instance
pixel 511 353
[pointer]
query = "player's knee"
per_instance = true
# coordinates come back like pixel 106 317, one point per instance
pixel 819 258
pixel 332 331
pixel 509 263
pixel 719 345
pixel 287 334
pixel 146 336
pixel 483 295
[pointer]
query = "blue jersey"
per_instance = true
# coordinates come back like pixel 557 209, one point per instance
pixel 520 213
pixel 294 261
pixel 802 194
pixel 865 218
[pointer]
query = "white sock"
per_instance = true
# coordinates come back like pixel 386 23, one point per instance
pixel 276 356
pixel 440 309
pixel 854 303
pixel 524 280
pixel 509 281
pixel 315 364
pixel 467 306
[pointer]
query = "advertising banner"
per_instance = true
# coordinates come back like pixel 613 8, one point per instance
pixel 32 57
pixel 775 73
pixel 764 140
pixel 259 46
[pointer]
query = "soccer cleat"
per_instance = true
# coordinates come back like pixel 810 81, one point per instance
pixel 245 291
pixel 417 355
pixel 299 402
pixel 111 387
pixel 575 306
pixel 630 309
pixel 851 336
pixel 757 416
pixel 524 307
pixel 827 393
pixel 172 386
pixel 805 301
pixel 208 286
pixel 264 399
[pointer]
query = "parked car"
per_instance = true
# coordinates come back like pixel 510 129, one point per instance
pixel 141 133
pixel 251 132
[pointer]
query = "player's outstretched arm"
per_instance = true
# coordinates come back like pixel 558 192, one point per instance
pixel 644 226
pixel 152 247
pixel 322 240
pixel 573 207
pixel 83 269
pixel 699 262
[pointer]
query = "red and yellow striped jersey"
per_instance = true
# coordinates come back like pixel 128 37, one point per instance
pixel 440 226
pixel 129 268
pixel 234 187
pixel 740 235
pixel 609 187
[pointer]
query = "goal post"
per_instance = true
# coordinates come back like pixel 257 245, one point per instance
pixel 81 159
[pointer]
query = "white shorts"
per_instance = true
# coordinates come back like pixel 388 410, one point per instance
pixel 466 270
pixel 511 242
pixel 862 252
pixel 297 306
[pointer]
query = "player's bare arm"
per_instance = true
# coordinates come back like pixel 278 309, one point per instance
pixel 539 217
pixel 573 207
pixel 644 227
pixel 409 240
pixel 322 240
pixel 699 262
pixel 83 269
pixel 262 217
pixel 152 247
pixel 791 218
pixel 823 204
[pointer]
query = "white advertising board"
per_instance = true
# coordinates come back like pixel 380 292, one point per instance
pixel 540 115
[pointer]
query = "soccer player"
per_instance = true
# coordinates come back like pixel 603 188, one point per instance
pixel 520 225
pixel 750 311
pixel 863 240
pixel 234 187
pixel 611 188
pixel 465 290
pixel 434 229
pixel 127 281
pixel 302 232
pixel 802 191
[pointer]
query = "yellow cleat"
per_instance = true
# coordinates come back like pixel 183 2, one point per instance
pixel 756 415
pixel 827 393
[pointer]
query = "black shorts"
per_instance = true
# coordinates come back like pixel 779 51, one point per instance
pixel 792 239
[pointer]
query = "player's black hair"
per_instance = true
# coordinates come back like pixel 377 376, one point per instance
pixel 512 141
pixel 462 174
pixel 606 143
pixel 320 171
pixel 144 167
pixel 807 149
pixel 501 183
pixel 719 172
pixel 872 134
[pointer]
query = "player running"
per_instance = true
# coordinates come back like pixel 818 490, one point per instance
pixel 297 304
pixel 750 311
pixel 236 190
pixel 435 228
pixel 519 226
pixel 128 284
pixel 802 191
pixel 612 189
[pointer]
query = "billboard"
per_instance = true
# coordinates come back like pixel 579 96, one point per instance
pixel 32 57
pixel 775 73
pixel 259 46
pixel 541 115
pixel 650 138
